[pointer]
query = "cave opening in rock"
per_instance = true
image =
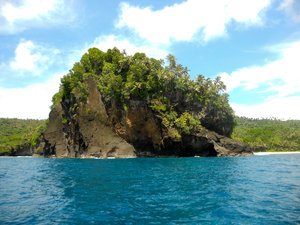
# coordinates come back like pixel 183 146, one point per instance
pixel 189 152
pixel 211 152
pixel 207 150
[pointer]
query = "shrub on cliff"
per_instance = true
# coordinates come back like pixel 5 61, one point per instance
pixel 182 103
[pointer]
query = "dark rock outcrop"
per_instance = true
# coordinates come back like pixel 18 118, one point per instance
pixel 86 133
pixel 100 128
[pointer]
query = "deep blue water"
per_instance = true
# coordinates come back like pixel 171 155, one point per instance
pixel 236 190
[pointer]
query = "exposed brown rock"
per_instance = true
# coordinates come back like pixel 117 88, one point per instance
pixel 209 143
pixel 55 141
pixel 106 129
pixel 86 133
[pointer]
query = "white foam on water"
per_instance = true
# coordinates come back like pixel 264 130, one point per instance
pixel 275 153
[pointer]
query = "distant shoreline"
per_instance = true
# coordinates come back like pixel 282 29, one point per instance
pixel 274 153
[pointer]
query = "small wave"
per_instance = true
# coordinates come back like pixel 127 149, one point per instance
pixel 275 153
pixel 25 156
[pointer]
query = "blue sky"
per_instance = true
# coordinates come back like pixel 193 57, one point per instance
pixel 254 45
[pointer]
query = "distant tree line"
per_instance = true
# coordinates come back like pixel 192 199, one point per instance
pixel 268 134
pixel 18 132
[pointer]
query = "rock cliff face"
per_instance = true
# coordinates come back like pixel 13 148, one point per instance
pixel 84 133
pixel 104 129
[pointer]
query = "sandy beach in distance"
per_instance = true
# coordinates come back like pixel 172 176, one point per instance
pixel 275 153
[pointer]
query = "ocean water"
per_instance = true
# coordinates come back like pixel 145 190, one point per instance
pixel 230 190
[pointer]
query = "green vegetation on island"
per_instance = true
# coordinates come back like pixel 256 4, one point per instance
pixel 16 133
pixel 183 104
pixel 268 134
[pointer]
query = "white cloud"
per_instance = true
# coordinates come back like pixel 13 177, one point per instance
pixel 110 41
pixel 182 22
pixel 282 76
pixel 16 16
pixel 28 57
pixel 28 10
pixel 292 9
pixel 279 107
pixel 32 102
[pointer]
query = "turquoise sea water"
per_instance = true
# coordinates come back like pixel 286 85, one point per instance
pixel 241 190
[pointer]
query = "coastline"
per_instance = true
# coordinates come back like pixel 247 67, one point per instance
pixel 275 153
pixel 91 157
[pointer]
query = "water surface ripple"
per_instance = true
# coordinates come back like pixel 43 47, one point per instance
pixel 239 190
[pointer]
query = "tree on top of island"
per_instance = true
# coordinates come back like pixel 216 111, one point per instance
pixel 114 105
pixel 182 103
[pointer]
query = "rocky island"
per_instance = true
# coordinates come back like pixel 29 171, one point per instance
pixel 114 105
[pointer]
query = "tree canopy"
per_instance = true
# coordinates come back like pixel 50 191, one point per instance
pixel 181 102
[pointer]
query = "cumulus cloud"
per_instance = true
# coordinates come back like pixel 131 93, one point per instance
pixel 184 21
pixel 31 63
pixel 110 41
pixel 32 102
pixel 279 107
pixel 292 9
pixel 29 57
pixel 27 10
pixel 16 16
pixel 280 77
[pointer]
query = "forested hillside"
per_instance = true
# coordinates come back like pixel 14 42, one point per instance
pixel 268 134
pixel 18 132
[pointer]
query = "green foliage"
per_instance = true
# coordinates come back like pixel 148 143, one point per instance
pixel 268 134
pixel 56 98
pixel 17 132
pixel 64 120
pixel 186 123
pixel 168 89
pixel 73 108
pixel 158 106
